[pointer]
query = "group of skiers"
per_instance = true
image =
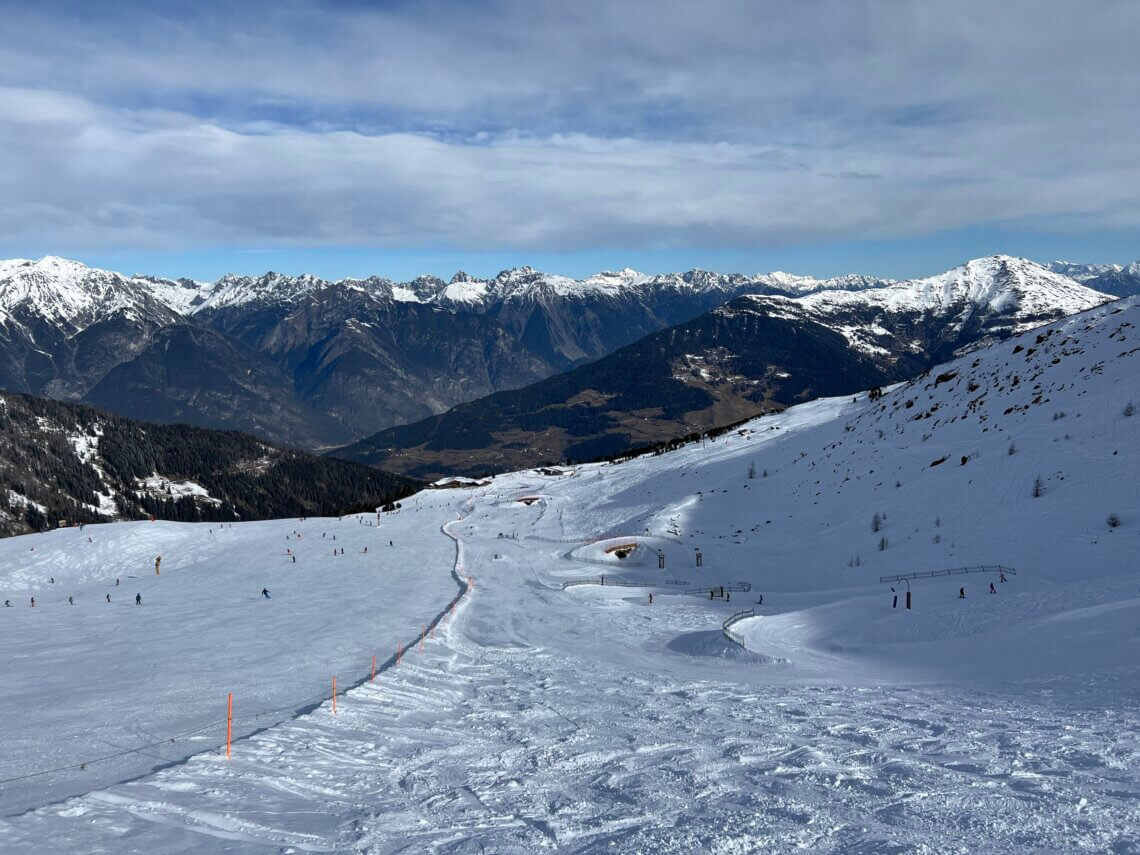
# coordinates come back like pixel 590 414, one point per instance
pixel 71 600
pixel 158 567
pixel 993 590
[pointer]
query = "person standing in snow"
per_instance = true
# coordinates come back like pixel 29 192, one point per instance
pixel 116 583
pixel 33 602
pixel 7 604
pixel 651 599
pixel 138 599
pixel 961 593
pixel 108 598
pixel 70 601
pixel 265 593
pixel 993 590
pixel 157 562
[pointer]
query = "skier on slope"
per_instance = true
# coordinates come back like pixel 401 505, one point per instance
pixel 33 602
pixel 265 593
pixel 138 599
pixel 961 593
pixel 7 604
pixel 108 598
pixel 70 601
pixel 993 590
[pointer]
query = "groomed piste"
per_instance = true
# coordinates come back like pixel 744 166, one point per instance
pixel 587 718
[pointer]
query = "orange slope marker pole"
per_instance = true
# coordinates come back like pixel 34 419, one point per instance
pixel 372 679
pixel 229 723
pixel 334 695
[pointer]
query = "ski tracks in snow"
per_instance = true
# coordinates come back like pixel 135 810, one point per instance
pixel 506 734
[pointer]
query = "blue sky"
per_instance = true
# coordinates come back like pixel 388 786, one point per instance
pixel 397 138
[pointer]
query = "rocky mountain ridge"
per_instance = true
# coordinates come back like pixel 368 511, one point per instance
pixel 753 354
pixel 309 362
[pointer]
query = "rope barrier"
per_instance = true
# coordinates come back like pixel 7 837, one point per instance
pixel 719 589
pixel 734 637
pixel 956 571
pixel 619 583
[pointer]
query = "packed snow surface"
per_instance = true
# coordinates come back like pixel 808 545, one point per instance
pixel 586 718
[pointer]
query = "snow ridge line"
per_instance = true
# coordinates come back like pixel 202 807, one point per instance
pixel 621 566
pixel 301 707
pixel 621 583
pixel 589 540
pixel 643 536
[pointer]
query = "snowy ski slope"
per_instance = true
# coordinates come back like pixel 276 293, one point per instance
pixel 587 719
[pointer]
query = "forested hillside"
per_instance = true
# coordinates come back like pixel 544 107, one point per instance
pixel 74 463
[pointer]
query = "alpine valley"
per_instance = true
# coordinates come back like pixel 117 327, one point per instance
pixel 752 355
pixel 431 377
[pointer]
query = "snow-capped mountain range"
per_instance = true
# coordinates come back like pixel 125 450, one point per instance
pixel 471 293
pixel 303 360
pixel 753 354
pixel 1121 280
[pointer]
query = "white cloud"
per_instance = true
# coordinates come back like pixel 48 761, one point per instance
pixel 564 126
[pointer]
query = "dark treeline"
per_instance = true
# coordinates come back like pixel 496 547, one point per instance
pixel 57 458
pixel 630 452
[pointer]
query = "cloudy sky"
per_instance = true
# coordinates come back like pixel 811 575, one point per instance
pixel 347 138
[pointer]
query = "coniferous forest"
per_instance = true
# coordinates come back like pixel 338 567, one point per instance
pixel 72 463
